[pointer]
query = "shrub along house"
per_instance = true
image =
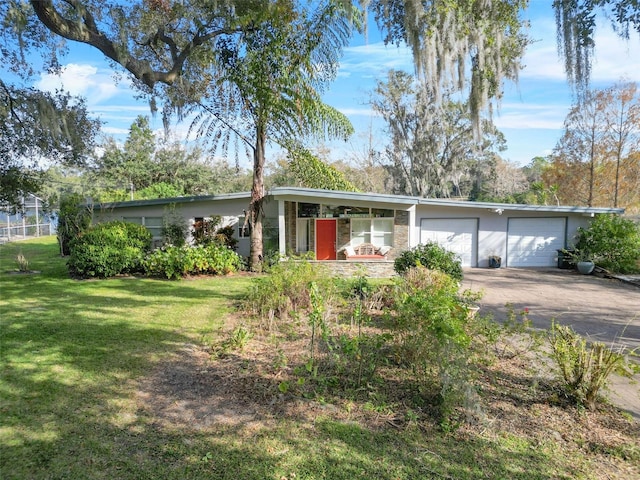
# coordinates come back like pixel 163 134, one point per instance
pixel 368 227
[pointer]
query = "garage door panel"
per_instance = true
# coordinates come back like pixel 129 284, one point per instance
pixel 534 242
pixel 456 235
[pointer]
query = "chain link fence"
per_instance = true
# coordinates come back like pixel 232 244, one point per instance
pixel 31 221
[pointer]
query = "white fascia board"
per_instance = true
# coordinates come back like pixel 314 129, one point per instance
pixel 321 196
pixel 518 207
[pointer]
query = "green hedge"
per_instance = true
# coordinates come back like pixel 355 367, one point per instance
pixel 109 249
pixel 175 262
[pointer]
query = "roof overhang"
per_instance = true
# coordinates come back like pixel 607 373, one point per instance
pixel 312 195
pixel 296 194
pixel 174 200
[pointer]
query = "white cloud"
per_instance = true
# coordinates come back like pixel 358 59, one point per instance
pixel 526 121
pixel 613 57
pixel 83 80
pixel 616 58
pixel 375 58
pixel 525 116
pixel 114 130
pixel 358 112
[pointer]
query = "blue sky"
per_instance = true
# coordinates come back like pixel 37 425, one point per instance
pixel 531 113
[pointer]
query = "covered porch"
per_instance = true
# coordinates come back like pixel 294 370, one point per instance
pixel 344 230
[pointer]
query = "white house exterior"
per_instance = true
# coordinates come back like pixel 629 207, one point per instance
pixel 324 222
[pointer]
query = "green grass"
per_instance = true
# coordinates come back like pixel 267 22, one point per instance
pixel 73 352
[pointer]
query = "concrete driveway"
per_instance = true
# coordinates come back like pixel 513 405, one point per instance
pixel 601 309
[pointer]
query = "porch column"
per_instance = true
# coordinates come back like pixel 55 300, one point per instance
pixel 413 229
pixel 282 229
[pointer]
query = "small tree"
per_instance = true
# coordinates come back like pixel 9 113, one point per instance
pixel 174 227
pixel 268 90
pixel 73 219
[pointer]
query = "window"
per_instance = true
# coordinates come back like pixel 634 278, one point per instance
pixel 154 225
pixel 378 231
pixel 308 210
pixel 382 212
pixel 302 235
pixel 244 230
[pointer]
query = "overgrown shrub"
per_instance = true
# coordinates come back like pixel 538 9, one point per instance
pixel 430 321
pixel 432 256
pixel 73 219
pixel 224 235
pixel 285 290
pixel 109 249
pixel 175 262
pixel 584 368
pixel 358 357
pixel 613 243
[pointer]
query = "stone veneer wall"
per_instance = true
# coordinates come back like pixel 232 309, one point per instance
pixel 371 269
pixel 291 226
pixel 400 234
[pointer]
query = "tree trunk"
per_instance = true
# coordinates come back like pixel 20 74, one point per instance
pixel 618 156
pixel 592 170
pixel 257 198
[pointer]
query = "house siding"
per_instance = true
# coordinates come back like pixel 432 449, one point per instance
pixel 493 227
pixel 280 217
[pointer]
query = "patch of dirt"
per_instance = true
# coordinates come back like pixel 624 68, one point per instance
pixel 212 389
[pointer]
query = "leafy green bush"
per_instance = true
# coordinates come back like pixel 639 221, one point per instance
pixel 175 262
pixel 613 243
pixel 432 256
pixel 224 236
pixel 207 231
pixel 109 249
pixel 204 231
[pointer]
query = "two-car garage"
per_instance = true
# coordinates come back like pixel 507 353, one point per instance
pixel 530 242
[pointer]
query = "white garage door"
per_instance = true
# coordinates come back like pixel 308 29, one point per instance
pixel 534 242
pixel 458 235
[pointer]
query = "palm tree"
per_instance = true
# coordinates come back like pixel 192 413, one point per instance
pixel 267 87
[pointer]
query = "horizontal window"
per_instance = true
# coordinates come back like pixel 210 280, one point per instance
pixel 378 231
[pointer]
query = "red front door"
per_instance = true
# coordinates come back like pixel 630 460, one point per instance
pixel 325 239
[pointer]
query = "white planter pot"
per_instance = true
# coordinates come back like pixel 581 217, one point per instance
pixel 585 267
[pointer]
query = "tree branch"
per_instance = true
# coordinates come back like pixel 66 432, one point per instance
pixel 11 102
pixel 88 32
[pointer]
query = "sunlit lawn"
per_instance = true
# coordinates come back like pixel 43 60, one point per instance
pixel 73 353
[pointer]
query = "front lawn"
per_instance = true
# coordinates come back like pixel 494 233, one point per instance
pixel 127 378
